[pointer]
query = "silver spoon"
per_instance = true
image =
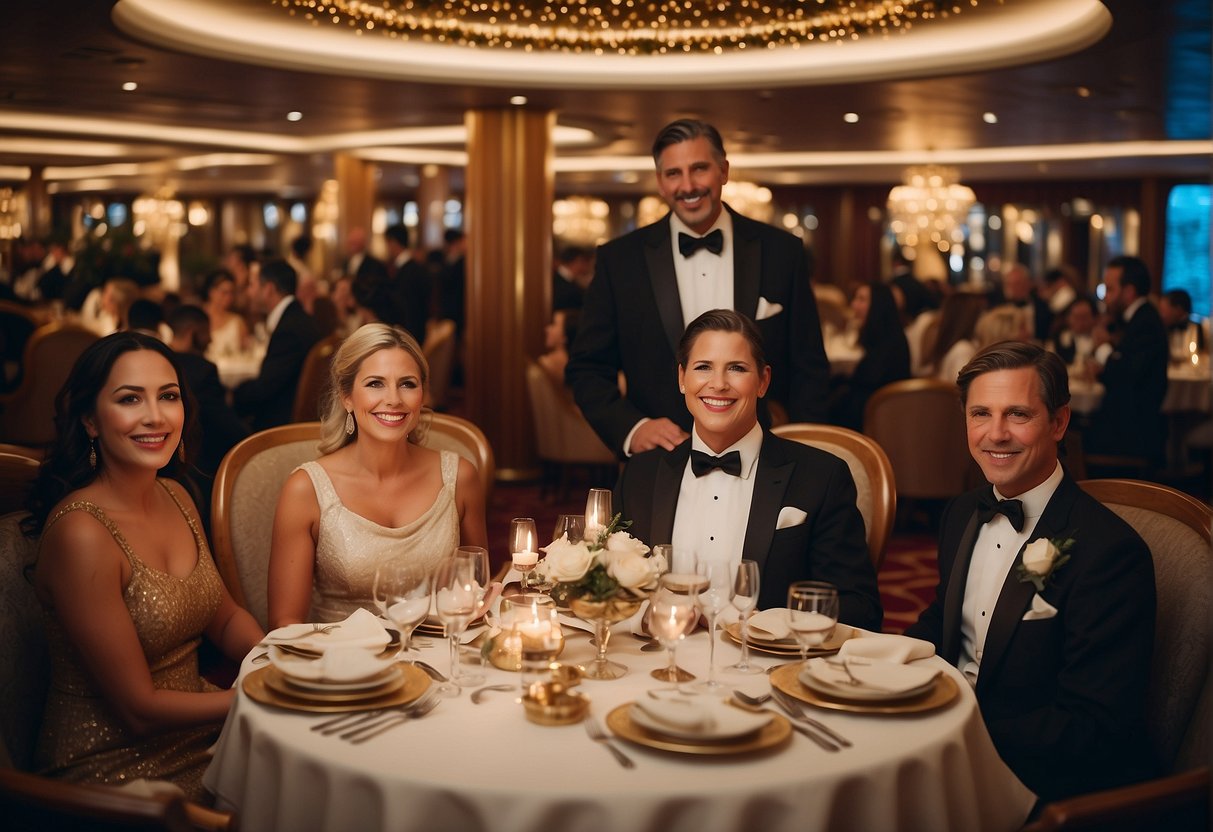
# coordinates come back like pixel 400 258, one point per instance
pixel 478 694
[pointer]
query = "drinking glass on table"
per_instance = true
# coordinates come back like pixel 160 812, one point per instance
pixel 456 598
pixel 812 613
pixel 479 558
pixel 571 526
pixel 524 548
pixel 531 626
pixel 597 511
pixel 672 614
pixel 745 598
pixel 401 592
pixel 714 593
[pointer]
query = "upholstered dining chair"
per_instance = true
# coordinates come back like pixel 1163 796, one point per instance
pixel 445 432
pixel 921 427
pixel 562 435
pixel 314 379
pixel 1177 802
pixel 17 474
pixel 871 470
pixel 27 414
pixel 1176 527
pixel 24 662
pixel 439 349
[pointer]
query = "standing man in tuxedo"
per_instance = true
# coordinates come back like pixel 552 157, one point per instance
pixel 409 281
pixel 650 283
pixel 1046 598
pixel 269 398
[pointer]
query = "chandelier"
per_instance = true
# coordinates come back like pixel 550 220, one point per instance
pixel 626 27
pixel 581 220
pixel 930 206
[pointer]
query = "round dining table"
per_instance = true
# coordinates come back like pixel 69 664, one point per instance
pixel 484 767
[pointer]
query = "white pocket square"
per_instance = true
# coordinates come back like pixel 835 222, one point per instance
pixel 766 309
pixel 1041 609
pixel 790 516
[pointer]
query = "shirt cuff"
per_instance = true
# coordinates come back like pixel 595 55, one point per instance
pixel 627 440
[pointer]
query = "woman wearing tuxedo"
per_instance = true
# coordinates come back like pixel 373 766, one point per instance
pixel 734 490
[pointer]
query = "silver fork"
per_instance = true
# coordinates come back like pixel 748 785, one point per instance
pixel 791 704
pixel 418 709
pixel 599 735
pixel 800 725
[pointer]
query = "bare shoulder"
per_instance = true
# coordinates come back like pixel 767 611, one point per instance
pixel 77 543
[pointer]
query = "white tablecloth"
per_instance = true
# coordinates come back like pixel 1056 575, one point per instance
pixel 470 767
pixel 234 369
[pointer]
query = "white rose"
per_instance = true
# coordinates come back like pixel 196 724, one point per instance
pixel 624 542
pixel 1038 557
pixel 566 562
pixel 631 570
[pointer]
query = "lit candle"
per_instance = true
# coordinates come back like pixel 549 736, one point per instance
pixel 525 560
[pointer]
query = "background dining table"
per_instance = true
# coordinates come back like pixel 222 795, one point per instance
pixel 471 767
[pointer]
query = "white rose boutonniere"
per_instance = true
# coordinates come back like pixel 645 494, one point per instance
pixel 1041 558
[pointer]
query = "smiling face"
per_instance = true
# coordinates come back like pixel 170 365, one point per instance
pixel 1011 434
pixel 722 385
pixel 222 294
pixel 139 413
pixel 387 395
pixel 690 178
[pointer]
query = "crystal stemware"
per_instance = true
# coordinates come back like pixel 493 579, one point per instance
pixel 478 556
pixel 455 600
pixel 714 594
pixel 571 526
pixel 597 511
pixel 672 614
pixel 401 591
pixel 812 613
pixel 745 599
pixel 524 547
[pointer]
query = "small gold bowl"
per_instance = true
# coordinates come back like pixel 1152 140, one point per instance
pixel 565 708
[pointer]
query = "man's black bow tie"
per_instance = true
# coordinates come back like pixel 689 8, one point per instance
pixel 989 506
pixel 702 463
pixel 688 244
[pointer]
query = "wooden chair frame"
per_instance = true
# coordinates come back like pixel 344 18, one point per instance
pixel 1140 806
pixel 1153 497
pixel 875 463
pixel 313 379
pixel 17 474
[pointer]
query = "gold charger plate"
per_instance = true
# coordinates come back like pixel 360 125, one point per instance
pixel 787 679
pixel 781 648
pixel 774 733
pixel 415 683
pixel 278 681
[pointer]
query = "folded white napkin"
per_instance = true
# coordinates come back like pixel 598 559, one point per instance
pixel 696 717
pixel 771 624
pixel 339 663
pixel 873 675
pixel 885 646
pixel 681 714
pixel 362 629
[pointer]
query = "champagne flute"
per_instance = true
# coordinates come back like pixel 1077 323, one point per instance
pixel 401 591
pixel 812 613
pixel 571 526
pixel 713 597
pixel 455 600
pixel 671 617
pixel 478 556
pixel 745 598
pixel 524 547
pixel 597 512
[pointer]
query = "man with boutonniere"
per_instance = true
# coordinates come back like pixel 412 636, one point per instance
pixel 1046 598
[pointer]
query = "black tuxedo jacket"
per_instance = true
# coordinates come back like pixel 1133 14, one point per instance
pixel 270 397
pixel 1063 697
pixel 1129 420
pixel 410 291
pixel 828 546
pixel 632 321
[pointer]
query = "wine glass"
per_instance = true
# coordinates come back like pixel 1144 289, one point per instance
pixel 478 556
pixel 713 596
pixel 597 511
pixel 571 526
pixel 812 613
pixel 524 547
pixel 455 601
pixel 745 598
pixel 671 617
pixel 401 591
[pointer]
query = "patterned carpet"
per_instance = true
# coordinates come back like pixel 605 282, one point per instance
pixel 907 579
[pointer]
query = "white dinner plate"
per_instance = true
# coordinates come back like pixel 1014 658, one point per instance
pixel 729 723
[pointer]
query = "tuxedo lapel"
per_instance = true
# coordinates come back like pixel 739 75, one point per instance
pixel 659 257
pixel 667 482
pixel 771 478
pixel 747 263
pixel 954 599
pixel 1016 595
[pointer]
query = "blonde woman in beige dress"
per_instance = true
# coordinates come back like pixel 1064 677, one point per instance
pixel 374 493
pixel 126 579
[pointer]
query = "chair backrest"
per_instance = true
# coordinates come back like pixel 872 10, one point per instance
pixel 1176 527
pixel 243 501
pixel 27 415
pixel 17 324
pixel 24 662
pixel 561 433
pixel 439 349
pixel 871 470
pixel 314 379
pixel 34 804
pixel 921 427
pixel 833 314
pixel 452 433
pixel 16 476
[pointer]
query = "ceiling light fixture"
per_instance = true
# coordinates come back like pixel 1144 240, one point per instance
pixel 850 118
pixel 518 100
pixel 626 28
pixel 989 118
pixel 130 86
pixel 294 115
pixel 930 205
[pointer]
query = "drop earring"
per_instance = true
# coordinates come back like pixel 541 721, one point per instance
pixel 92 453
pixel 349 423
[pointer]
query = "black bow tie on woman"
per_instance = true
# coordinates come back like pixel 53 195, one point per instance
pixel 688 244
pixel 702 463
pixel 989 506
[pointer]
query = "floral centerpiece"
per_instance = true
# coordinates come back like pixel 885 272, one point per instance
pixel 603 579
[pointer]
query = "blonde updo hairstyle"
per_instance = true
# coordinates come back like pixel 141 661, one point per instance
pixel 364 342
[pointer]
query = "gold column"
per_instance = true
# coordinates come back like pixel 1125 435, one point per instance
pixel 355 197
pixel 508 210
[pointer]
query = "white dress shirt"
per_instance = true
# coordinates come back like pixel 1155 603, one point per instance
pixel 710 519
pixel 705 280
pixel 1104 351
pixel 994 555
pixel 272 319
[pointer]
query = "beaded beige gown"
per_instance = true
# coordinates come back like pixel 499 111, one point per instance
pixel 82 738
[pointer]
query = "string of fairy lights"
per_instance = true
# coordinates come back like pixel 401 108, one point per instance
pixel 626 27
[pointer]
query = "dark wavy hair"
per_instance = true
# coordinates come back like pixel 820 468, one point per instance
pixel 66 467
pixel 883 321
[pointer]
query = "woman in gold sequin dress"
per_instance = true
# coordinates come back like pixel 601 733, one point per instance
pixel 374 493
pixel 126 578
